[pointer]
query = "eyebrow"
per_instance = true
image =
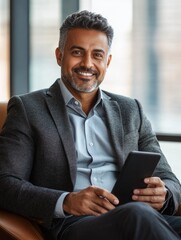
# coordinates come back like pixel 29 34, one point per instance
pixel 75 46
pixel 78 47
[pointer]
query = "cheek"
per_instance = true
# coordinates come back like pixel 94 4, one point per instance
pixel 67 67
pixel 70 63
pixel 103 68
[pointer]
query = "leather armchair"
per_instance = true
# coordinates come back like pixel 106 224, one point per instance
pixel 13 226
pixel 3 107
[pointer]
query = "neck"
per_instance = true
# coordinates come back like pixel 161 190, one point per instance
pixel 87 100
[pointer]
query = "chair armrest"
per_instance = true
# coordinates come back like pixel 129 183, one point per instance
pixel 178 213
pixel 16 227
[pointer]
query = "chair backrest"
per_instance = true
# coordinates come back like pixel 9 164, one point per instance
pixel 3 113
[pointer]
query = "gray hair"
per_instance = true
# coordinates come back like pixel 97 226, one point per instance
pixel 86 20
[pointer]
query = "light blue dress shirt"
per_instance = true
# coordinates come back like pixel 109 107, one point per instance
pixel 95 158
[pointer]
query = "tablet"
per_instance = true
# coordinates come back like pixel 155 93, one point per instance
pixel 137 166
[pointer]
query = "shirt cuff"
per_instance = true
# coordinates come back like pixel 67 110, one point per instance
pixel 59 212
pixel 167 199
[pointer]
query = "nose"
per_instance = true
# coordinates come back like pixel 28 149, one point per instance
pixel 87 61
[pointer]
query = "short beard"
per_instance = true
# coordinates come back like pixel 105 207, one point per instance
pixel 81 89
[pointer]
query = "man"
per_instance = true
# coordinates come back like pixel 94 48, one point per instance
pixel 62 148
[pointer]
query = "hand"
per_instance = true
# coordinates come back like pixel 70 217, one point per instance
pixel 90 201
pixel 154 194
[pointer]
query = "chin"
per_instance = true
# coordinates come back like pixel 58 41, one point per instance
pixel 87 90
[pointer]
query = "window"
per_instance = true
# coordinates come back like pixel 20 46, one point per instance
pixel 172 151
pixel 4 50
pixel 146 56
pixel 44 34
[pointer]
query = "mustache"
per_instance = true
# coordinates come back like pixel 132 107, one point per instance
pixel 84 69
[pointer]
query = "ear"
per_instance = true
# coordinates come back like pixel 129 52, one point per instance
pixel 58 55
pixel 109 60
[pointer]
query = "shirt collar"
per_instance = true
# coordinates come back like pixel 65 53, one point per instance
pixel 67 96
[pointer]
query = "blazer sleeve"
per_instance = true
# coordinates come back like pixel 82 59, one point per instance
pixel 17 150
pixel 133 131
pixel 148 142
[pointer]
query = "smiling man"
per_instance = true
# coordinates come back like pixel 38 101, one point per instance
pixel 62 149
pixel 84 60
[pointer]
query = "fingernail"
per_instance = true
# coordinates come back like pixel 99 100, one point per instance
pixel 146 180
pixel 134 197
pixel 116 201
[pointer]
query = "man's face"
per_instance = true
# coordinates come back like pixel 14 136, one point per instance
pixel 84 60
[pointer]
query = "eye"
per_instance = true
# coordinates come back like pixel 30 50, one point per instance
pixel 77 52
pixel 99 55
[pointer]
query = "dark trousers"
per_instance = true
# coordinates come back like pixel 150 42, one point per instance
pixel 132 221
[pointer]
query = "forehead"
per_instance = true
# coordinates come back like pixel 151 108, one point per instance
pixel 85 38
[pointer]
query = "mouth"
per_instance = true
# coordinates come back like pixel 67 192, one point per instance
pixel 86 73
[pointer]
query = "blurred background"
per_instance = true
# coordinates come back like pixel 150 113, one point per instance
pixel 146 53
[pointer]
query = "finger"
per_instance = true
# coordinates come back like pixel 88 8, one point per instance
pixel 103 203
pixel 156 191
pixel 149 199
pixel 154 181
pixel 101 206
pixel 156 203
pixel 96 210
pixel 104 194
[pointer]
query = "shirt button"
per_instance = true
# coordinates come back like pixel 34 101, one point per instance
pixel 91 144
pixel 76 103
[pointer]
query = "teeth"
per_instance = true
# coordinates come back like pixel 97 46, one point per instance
pixel 86 74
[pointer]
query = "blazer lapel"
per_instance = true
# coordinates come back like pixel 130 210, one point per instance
pixel 58 111
pixel 114 117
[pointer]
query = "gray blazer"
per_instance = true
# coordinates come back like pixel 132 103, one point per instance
pixel 38 157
